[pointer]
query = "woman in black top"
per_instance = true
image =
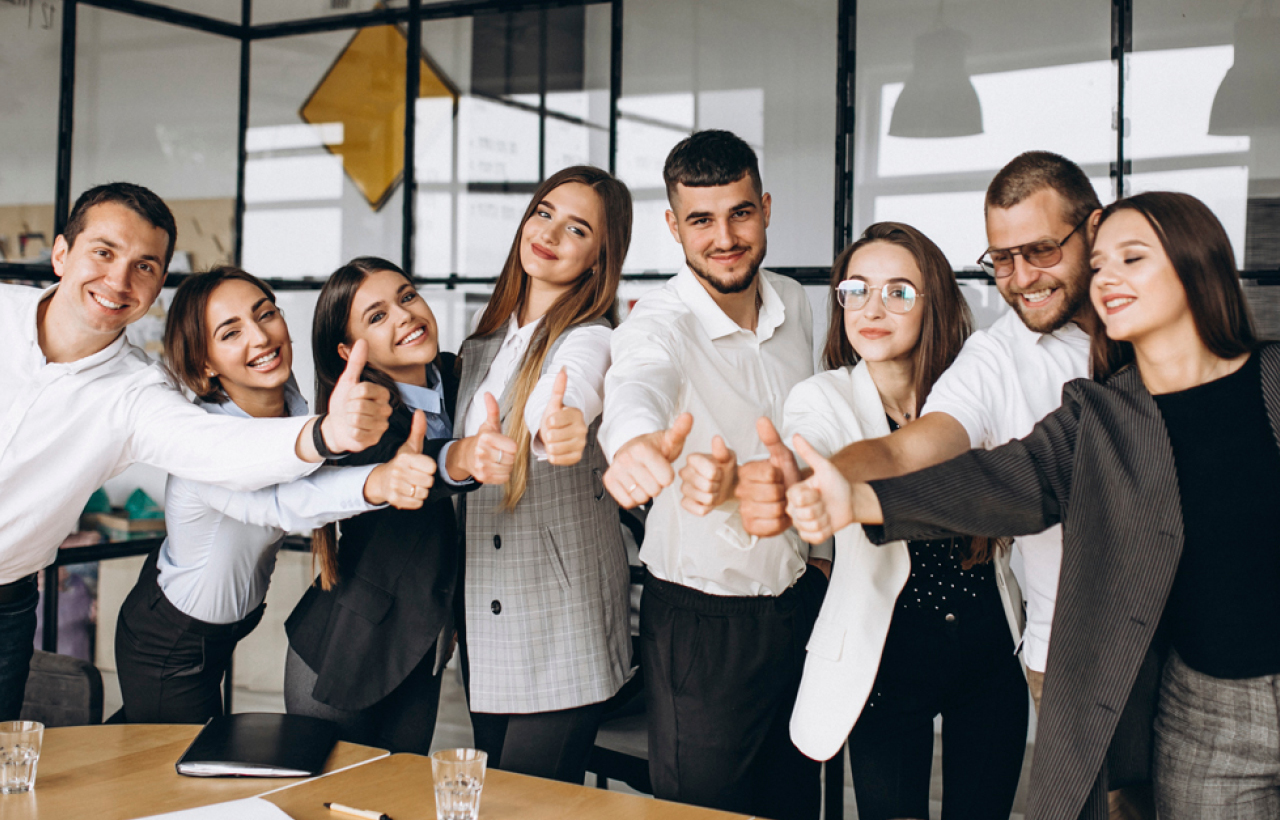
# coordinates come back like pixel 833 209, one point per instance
pixel 1165 476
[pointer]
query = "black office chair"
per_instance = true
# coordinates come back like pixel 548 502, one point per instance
pixel 62 691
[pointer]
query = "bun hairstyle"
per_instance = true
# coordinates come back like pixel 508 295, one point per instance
pixel 186 333
pixel 593 296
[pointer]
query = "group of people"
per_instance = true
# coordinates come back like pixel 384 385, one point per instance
pixel 829 557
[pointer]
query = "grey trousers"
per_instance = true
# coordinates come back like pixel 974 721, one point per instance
pixel 1217 750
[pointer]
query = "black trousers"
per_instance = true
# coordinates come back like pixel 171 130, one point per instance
pixel 554 745
pixel 170 664
pixel 403 721
pixel 966 671
pixel 720 676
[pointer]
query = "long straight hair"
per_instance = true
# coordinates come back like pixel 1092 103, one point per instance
pixel 592 296
pixel 328 330
pixel 947 321
pixel 1200 253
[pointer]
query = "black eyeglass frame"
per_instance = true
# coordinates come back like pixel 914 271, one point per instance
pixel 884 295
pixel 989 266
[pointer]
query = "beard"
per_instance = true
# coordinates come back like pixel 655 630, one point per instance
pixel 1075 294
pixel 743 282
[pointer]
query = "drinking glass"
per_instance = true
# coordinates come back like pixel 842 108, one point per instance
pixel 19 753
pixel 459 777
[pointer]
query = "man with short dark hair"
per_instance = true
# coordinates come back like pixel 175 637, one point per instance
pixel 78 404
pixel 724 617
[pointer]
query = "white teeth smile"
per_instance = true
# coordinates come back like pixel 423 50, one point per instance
pixel 1118 301
pixel 266 357
pixel 414 336
pixel 1038 296
pixel 105 303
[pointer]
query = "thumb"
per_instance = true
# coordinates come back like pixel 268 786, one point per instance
pixel 557 392
pixel 779 455
pixel 816 460
pixel 355 363
pixel 673 439
pixel 417 432
pixel 493 417
pixel 719 451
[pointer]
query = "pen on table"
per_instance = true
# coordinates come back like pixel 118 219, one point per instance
pixel 367 815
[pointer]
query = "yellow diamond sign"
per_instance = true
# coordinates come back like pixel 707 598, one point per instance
pixel 364 91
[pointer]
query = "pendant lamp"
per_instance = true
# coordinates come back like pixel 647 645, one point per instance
pixel 938 98
pixel 1249 97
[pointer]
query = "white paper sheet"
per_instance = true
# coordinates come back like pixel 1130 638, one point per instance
pixel 251 809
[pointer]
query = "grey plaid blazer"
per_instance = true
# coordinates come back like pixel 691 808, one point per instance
pixel 546 585
pixel 1101 465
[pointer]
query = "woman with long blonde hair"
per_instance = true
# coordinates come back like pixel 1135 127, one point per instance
pixel 546 638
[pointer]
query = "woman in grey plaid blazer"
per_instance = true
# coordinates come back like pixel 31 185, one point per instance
pixel 546 637
pixel 1164 473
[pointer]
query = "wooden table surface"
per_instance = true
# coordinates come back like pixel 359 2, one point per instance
pixel 400 786
pixel 117 772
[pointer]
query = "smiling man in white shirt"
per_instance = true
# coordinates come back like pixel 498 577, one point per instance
pixel 78 404
pixel 724 617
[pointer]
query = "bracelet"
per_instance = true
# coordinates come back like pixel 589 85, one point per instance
pixel 317 438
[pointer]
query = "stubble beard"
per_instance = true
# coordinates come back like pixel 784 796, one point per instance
pixel 728 288
pixel 1075 293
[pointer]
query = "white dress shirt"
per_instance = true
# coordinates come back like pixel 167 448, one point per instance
pixel 584 353
pixel 217 561
pixel 65 428
pixel 1006 379
pixel 677 352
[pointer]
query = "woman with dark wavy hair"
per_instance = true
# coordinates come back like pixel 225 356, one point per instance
pixel 1164 472
pixel 918 629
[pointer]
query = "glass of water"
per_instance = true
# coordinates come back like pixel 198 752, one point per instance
pixel 19 753
pixel 459 777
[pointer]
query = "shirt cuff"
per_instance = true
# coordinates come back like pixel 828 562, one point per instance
pixel 822 551
pixel 443 471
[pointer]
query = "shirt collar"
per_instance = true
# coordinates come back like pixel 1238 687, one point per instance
pixel 294 403
pixel 429 399
pixel 715 321
pixel 1071 333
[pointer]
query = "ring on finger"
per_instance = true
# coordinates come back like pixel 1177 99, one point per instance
pixel 632 488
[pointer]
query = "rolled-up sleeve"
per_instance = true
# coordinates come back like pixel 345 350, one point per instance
pixel 642 387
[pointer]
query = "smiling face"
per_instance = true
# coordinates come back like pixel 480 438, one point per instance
pixel 395 321
pixel 110 276
pixel 561 240
pixel 248 345
pixel 1135 289
pixel 876 334
pixel 722 231
pixel 1045 298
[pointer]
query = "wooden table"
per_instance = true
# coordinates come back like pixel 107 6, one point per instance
pixel 117 772
pixel 400 786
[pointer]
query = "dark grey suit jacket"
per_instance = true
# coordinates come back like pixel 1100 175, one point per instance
pixel 1102 466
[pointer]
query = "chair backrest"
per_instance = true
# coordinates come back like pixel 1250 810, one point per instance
pixel 62 691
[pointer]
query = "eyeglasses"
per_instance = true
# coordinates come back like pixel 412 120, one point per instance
pixel 1043 253
pixel 898 297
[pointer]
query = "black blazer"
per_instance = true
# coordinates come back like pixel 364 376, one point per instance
pixel 1102 465
pixel 398 573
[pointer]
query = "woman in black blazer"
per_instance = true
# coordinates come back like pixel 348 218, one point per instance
pixel 368 640
pixel 1164 473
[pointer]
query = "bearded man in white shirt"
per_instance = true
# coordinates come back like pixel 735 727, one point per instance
pixel 725 616
pixel 78 404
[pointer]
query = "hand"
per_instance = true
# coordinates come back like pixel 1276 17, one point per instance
pixel 564 430
pixel 404 481
pixel 490 455
pixel 358 410
pixel 707 481
pixel 762 485
pixel 821 504
pixel 642 467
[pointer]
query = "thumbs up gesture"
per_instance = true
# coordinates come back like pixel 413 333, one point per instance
pixel 489 455
pixel 404 481
pixel 642 467
pixel 564 429
pixel 824 503
pixel 358 410
pixel 708 480
pixel 762 485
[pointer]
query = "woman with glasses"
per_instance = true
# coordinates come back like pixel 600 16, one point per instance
pixel 915 629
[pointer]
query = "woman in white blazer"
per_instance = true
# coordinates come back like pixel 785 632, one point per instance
pixel 907 631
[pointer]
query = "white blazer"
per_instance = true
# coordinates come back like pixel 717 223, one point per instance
pixel 832 410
